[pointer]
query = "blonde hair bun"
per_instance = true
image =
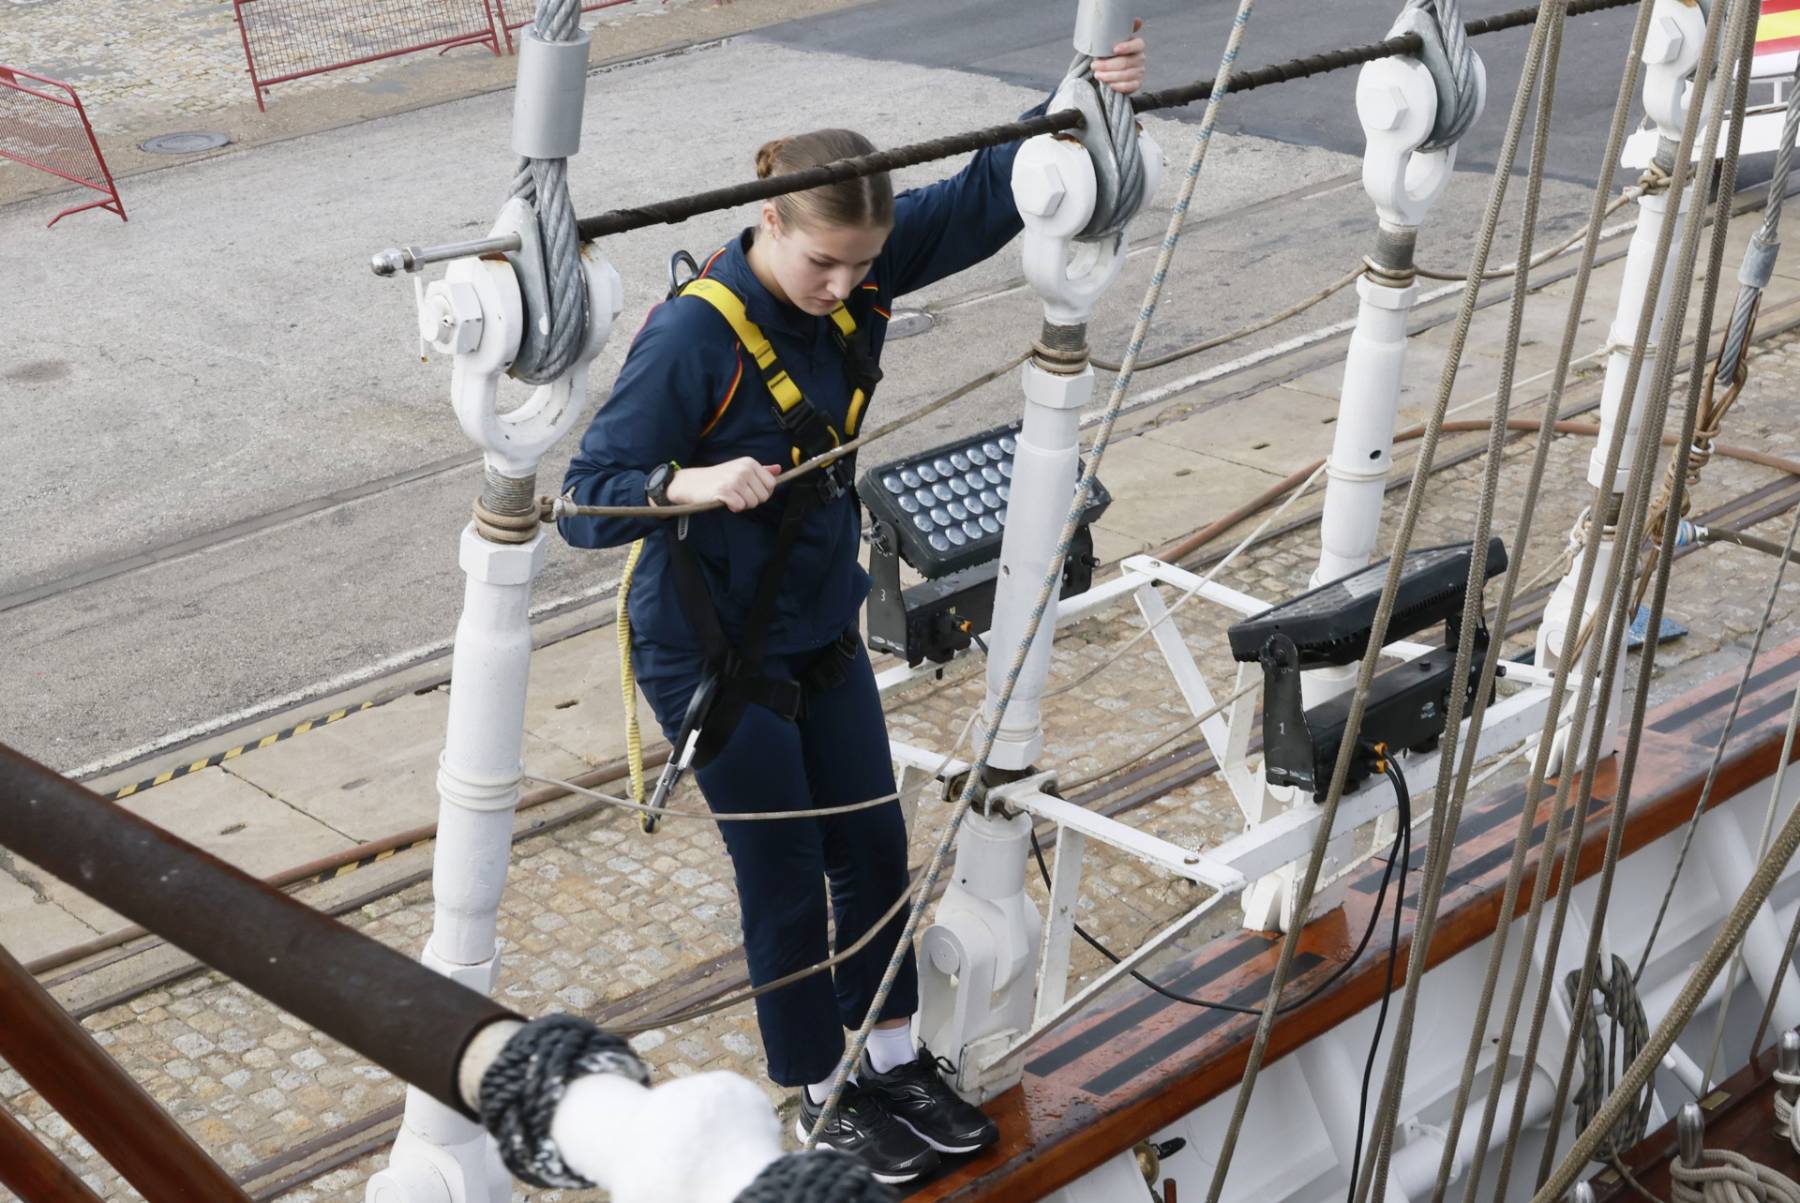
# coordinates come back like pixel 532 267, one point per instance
pixel 768 156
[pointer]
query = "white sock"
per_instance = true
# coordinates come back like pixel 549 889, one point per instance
pixel 890 1048
pixel 818 1090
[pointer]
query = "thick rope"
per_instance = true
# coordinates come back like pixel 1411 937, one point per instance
pixel 1737 47
pixel 1785 1111
pixel 1539 77
pixel 1553 718
pixel 1753 277
pixel 1053 574
pixel 1629 1029
pixel 823 1176
pixel 1726 1177
pixel 521 1089
pixel 550 342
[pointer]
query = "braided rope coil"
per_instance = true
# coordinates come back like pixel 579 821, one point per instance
pixel 1619 1002
pixel 824 1176
pixel 521 1090
pixel 1726 1177
pixel 1785 1111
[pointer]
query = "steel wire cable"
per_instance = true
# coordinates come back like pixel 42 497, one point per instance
pixel 1445 52
pixel 1734 359
pixel 1447 812
pixel 549 347
pixel 678 209
pixel 1117 157
pixel 1053 574
pixel 1723 66
pixel 1384 612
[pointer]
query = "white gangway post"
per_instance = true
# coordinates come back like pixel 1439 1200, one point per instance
pixel 1671 52
pixel 1397 104
pixel 477 313
pixel 978 960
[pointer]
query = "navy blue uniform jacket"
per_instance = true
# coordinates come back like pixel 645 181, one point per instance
pixel 688 393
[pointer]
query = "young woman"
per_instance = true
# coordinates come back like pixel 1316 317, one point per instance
pixel 748 613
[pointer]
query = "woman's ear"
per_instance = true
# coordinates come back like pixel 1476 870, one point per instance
pixel 771 220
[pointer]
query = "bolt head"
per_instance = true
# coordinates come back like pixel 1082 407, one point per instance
pixel 1381 108
pixel 1662 41
pixel 450 317
pixel 1038 190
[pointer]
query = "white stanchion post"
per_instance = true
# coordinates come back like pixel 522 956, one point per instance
pixel 1671 52
pixel 1396 101
pixel 980 957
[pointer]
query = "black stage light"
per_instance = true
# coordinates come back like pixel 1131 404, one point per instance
pixel 943 511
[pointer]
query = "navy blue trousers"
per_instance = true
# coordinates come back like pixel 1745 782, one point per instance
pixel 836 753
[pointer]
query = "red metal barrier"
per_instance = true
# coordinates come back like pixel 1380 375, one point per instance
pixel 291 39
pixel 529 8
pixel 43 125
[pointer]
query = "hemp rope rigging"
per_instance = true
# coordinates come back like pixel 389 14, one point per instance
pixel 1630 1028
pixel 1737 47
pixel 1554 716
pixel 1379 627
pixel 1053 574
pixel 1446 817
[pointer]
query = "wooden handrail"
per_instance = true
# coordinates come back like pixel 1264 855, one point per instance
pixel 29 1170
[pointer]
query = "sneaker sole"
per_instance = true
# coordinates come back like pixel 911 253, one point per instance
pixel 801 1131
pixel 958 1149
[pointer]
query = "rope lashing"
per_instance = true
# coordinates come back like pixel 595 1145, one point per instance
pixel 1619 1002
pixel 550 342
pixel 1444 51
pixel 1785 1111
pixel 521 1090
pixel 1753 277
pixel 1726 1177
pixel 1109 131
pixel 823 1176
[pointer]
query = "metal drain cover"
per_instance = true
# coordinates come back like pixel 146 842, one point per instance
pixel 907 322
pixel 185 143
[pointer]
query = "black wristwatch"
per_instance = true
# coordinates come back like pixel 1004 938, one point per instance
pixel 656 485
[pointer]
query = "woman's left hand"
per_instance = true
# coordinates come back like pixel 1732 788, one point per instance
pixel 1124 71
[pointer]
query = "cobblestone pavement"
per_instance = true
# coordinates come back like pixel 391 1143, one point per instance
pixel 596 912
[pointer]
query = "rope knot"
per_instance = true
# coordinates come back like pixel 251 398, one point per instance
pixel 1446 53
pixel 521 1090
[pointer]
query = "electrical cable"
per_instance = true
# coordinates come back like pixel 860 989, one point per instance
pixel 1401 837
pixel 1403 853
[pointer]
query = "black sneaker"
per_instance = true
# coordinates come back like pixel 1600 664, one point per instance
pixel 863 1128
pixel 917 1095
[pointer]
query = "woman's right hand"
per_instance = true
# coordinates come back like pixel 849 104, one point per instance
pixel 739 484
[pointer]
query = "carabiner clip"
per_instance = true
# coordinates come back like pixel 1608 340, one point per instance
pixel 676 283
pixel 687 741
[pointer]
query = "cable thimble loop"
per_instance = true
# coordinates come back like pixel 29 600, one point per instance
pixel 1445 52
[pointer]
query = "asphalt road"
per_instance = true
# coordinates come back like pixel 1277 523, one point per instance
pixel 243 489
pixel 1025 43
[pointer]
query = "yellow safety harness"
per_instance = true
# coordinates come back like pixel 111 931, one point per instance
pixel 734 678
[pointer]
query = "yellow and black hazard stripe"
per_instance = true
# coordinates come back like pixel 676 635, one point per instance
pixel 364 862
pixel 168 775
